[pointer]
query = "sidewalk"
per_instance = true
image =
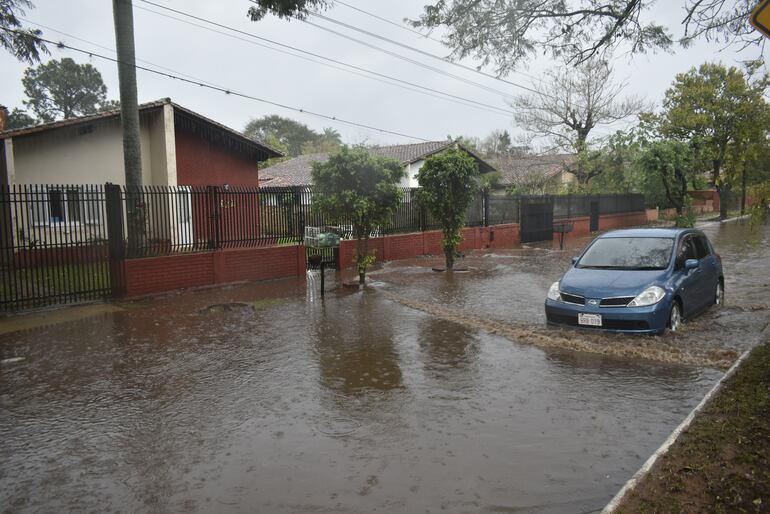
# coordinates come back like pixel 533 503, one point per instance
pixel 721 463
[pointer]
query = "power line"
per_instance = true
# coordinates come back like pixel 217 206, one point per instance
pixel 413 61
pixel 257 44
pixel 386 79
pixel 227 91
pixel 427 54
pixel 335 61
pixel 426 36
pixel 97 45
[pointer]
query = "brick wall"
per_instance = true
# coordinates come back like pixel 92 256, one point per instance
pixel 202 163
pixel 408 246
pixel 705 200
pixel 166 273
pixel 159 274
pixel 631 219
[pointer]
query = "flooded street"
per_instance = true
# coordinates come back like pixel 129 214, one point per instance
pixel 425 393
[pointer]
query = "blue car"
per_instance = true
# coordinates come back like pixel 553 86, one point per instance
pixel 638 280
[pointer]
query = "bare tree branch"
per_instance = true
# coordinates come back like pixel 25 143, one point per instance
pixel 570 104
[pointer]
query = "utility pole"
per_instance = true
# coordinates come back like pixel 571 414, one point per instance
pixel 122 11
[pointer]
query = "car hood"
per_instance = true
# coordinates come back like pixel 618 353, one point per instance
pixel 601 283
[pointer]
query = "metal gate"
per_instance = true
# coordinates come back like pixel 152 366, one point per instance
pixel 53 245
pixel 594 216
pixel 536 219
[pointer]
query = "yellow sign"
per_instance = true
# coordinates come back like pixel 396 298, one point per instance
pixel 760 17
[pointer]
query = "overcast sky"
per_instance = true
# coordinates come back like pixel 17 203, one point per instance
pixel 239 65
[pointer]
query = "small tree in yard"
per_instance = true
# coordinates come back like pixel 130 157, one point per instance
pixel 448 184
pixel 356 187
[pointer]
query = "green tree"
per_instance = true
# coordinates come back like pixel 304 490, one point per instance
pixel 670 163
pixel 448 183
pixel 22 42
pixel 61 89
pixel 615 163
pixel 278 145
pixel 327 142
pixel 18 118
pixel 715 108
pixel 497 144
pixel 291 134
pixel 354 186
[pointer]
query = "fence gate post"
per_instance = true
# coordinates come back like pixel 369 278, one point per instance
pixel 115 239
pixel 213 203
pixel 300 213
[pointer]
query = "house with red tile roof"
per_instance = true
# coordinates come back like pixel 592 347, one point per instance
pixel 179 147
pixel 296 172
pixel 535 174
pixel 58 169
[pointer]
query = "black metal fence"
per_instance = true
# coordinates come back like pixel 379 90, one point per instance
pixel 188 219
pixel 53 245
pixel 65 243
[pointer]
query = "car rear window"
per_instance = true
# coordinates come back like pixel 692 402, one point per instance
pixel 633 253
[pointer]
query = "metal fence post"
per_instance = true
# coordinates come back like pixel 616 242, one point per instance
pixel 485 202
pixel 213 204
pixel 115 239
pixel 300 212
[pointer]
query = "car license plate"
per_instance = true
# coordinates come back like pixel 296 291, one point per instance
pixel 592 320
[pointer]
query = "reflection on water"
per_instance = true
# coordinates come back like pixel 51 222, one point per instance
pixel 357 353
pixel 449 350
pixel 355 403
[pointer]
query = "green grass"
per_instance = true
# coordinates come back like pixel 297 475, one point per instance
pixel 32 283
pixel 722 462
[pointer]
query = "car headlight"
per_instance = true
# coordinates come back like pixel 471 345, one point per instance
pixel 649 296
pixel 554 293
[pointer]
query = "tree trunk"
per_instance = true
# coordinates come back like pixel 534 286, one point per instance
pixel 129 115
pixel 449 253
pixel 363 253
pixel 743 191
pixel 721 189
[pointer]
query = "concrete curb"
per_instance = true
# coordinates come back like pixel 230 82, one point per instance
pixel 660 452
pixel 737 218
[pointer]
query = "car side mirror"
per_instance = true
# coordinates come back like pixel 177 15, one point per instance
pixel 574 260
pixel 691 264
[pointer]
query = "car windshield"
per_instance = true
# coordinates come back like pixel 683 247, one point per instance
pixel 632 253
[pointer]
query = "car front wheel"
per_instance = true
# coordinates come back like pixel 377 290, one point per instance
pixel 675 317
pixel 719 296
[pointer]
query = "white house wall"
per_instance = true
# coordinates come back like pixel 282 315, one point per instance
pixel 73 155
pixel 94 155
pixel 411 174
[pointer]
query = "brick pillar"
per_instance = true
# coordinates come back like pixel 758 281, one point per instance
pixel 301 263
pixel 386 248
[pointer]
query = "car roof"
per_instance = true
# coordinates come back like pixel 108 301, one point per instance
pixel 670 233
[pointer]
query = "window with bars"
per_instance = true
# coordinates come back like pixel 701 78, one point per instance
pixel 64 205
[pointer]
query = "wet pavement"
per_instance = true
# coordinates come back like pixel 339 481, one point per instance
pixel 503 291
pixel 411 396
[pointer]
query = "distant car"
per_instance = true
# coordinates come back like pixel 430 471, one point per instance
pixel 638 280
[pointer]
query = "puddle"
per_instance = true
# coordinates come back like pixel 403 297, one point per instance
pixel 413 396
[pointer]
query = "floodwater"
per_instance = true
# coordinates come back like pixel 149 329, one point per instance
pixel 503 292
pixel 409 397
